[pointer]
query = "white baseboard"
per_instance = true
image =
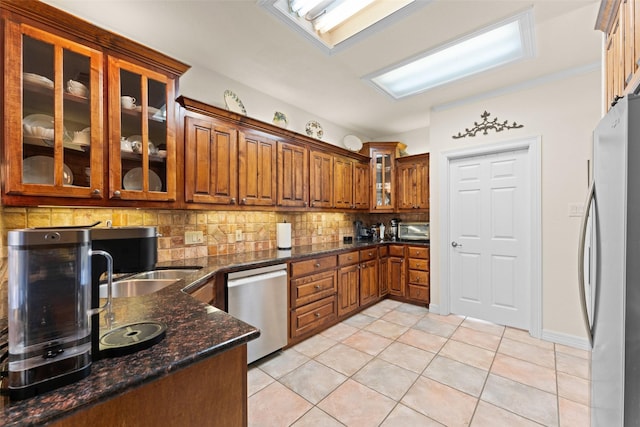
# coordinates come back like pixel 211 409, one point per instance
pixel 565 339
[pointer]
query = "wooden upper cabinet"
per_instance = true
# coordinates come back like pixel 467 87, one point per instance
pixel 320 179
pixel 620 21
pixel 413 182
pixel 293 175
pixel 343 183
pixel 53 145
pixel 382 194
pixel 62 83
pixel 211 158
pixel 256 169
pixel 361 185
pixel 142 133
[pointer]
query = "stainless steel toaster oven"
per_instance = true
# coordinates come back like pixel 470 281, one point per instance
pixel 417 231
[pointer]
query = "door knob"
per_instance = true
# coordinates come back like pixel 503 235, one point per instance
pixel 456 244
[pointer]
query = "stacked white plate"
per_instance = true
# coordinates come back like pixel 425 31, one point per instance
pixel 39 170
pixel 38 126
pixel 37 79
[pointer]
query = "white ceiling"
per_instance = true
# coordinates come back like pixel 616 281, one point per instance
pixel 239 39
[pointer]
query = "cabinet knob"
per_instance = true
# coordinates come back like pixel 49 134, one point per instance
pixel 96 192
pixel 313 204
pixel 317 287
pixel 317 314
pixel 370 253
pixel 117 194
pixel 232 201
pixel 243 201
pixel 317 265
pixel 306 204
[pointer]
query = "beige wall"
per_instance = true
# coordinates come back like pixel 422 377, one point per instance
pixel 563 114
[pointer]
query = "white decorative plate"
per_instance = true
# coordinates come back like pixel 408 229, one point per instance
pixel 352 142
pixel 314 129
pixel 39 170
pixel 233 103
pixel 37 79
pixel 133 180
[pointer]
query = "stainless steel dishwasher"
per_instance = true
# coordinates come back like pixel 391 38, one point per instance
pixel 259 297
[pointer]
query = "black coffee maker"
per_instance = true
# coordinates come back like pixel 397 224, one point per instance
pixel 133 250
pixel 362 232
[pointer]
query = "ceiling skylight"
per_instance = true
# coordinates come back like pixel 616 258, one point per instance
pixel 508 41
pixel 334 24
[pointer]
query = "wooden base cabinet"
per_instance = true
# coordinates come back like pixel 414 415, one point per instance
pixel 218 383
pixel 348 282
pixel 396 270
pixel 313 301
pixel 383 270
pixel 368 276
pixel 418 283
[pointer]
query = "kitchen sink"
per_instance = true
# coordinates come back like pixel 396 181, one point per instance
pixel 165 274
pixel 136 287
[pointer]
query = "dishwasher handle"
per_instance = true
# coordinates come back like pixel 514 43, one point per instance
pixel 255 278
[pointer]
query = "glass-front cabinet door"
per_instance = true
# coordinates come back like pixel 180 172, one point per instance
pixel 141 119
pixel 383 180
pixel 53 106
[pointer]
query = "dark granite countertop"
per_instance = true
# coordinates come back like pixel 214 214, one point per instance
pixel 194 331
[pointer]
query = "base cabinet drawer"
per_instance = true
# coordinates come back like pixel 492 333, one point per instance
pixel 419 277
pixel 419 293
pixel 311 316
pixel 311 288
pixel 300 268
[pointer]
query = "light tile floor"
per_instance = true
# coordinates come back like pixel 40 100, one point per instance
pixel 396 364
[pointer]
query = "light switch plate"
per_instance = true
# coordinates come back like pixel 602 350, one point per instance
pixel 238 235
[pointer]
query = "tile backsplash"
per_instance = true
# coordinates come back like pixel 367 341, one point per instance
pixel 219 229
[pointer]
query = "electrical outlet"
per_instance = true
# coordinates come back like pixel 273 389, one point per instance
pixel 193 237
pixel 238 235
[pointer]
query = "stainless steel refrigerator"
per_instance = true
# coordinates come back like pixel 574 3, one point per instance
pixel 610 284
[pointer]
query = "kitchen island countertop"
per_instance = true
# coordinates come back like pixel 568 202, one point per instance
pixel 195 331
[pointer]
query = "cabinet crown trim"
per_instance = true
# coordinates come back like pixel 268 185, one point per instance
pixel 606 15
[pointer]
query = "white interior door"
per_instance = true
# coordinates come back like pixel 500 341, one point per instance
pixel 490 237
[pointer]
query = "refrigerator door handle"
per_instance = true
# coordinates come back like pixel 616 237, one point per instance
pixel 581 280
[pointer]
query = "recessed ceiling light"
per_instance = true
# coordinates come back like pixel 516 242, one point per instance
pixel 335 24
pixel 505 42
